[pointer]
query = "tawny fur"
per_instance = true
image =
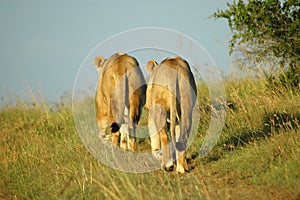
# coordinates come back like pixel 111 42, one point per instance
pixel 119 98
pixel 171 96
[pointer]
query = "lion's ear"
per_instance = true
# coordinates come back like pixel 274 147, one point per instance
pixel 151 65
pixel 99 60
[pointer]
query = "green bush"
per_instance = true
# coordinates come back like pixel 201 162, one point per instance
pixel 267 30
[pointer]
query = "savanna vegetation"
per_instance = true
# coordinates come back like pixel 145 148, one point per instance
pixel 266 32
pixel 256 156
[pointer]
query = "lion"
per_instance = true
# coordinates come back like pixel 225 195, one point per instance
pixel 170 98
pixel 120 97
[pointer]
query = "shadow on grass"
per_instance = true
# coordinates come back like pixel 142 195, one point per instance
pixel 272 123
pixel 276 121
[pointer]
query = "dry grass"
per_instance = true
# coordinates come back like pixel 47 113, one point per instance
pixel 257 156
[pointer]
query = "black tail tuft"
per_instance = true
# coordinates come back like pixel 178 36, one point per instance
pixel 115 127
pixel 180 146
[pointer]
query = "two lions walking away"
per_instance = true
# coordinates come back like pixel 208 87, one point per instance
pixel 170 96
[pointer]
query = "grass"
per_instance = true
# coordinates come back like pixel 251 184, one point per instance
pixel 256 157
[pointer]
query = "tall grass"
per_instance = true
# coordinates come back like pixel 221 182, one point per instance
pixel 256 157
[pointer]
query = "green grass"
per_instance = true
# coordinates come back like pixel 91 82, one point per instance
pixel 256 157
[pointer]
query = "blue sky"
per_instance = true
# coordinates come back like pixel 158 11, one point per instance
pixel 43 43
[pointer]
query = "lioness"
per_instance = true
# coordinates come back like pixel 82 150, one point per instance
pixel 170 98
pixel 119 99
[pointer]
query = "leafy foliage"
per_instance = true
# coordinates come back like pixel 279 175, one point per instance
pixel 267 30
